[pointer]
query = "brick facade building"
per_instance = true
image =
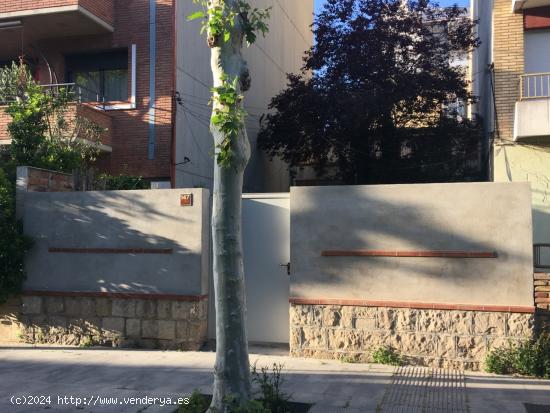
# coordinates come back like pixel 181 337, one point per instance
pixel 91 35
pixel 132 57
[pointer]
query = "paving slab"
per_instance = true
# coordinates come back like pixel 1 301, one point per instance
pixel 98 375
pixel 102 375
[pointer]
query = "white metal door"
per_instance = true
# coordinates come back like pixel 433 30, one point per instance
pixel 266 245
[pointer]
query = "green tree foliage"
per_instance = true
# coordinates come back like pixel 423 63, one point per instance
pixel 43 131
pixel 122 182
pixel 376 99
pixel 13 244
pixel 43 134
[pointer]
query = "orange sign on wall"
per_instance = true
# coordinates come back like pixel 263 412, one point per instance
pixel 186 199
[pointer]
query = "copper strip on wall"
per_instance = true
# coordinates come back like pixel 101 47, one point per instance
pixel 415 305
pixel 416 254
pixel 105 294
pixel 112 250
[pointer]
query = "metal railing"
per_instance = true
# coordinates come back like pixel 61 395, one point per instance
pixel 534 85
pixel 80 93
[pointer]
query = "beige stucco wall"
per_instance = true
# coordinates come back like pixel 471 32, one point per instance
pixel 115 220
pixel 528 163
pixel 469 217
pixel 269 61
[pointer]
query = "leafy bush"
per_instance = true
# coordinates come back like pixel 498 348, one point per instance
pixel 13 244
pixel 386 355
pixel 44 133
pixel 43 137
pixel 529 358
pixel 120 182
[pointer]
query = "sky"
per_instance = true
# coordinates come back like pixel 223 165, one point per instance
pixel 463 3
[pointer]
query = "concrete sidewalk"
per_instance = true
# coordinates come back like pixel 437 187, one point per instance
pixel 331 385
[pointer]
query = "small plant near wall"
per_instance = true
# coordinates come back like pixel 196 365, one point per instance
pixel 387 355
pixel 269 397
pixel 348 359
pixel 122 182
pixel 527 358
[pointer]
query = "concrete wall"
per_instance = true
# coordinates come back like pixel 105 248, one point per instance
pixel 269 60
pixel 435 217
pixel 80 223
pixel 529 163
pixel 532 119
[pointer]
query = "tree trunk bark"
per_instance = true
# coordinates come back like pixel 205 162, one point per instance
pixel 232 369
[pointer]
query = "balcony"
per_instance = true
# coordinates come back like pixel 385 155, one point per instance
pixel 41 19
pixel 519 6
pixel 532 116
pixel 88 105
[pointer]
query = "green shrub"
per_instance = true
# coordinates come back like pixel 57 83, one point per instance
pixel 528 358
pixel 387 355
pixel 41 135
pixel 120 182
pixel 13 244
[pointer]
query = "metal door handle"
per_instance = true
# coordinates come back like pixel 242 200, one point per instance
pixel 287 265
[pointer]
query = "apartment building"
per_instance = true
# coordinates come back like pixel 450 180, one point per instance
pixel 145 71
pixel 511 77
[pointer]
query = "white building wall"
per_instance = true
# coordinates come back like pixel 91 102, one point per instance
pixel 482 57
pixel 269 61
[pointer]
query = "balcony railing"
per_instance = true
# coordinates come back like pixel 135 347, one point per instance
pixel 84 102
pixel 76 92
pixel 535 86
pixel 79 93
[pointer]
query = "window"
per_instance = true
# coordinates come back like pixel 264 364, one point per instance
pixel 99 76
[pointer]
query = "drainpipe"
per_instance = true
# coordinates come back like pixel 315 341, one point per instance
pixel 152 76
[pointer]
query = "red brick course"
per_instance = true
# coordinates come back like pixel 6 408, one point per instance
pixel 5 119
pixel 542 301
pixel 416 305
pixel 41 180
pixel 112 250
pixel 101 294
pixel 425 254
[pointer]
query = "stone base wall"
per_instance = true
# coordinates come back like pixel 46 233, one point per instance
pixel 105 321
pixel 438 338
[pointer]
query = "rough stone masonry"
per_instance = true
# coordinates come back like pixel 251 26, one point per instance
pixel 118 322
pixel 437 338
